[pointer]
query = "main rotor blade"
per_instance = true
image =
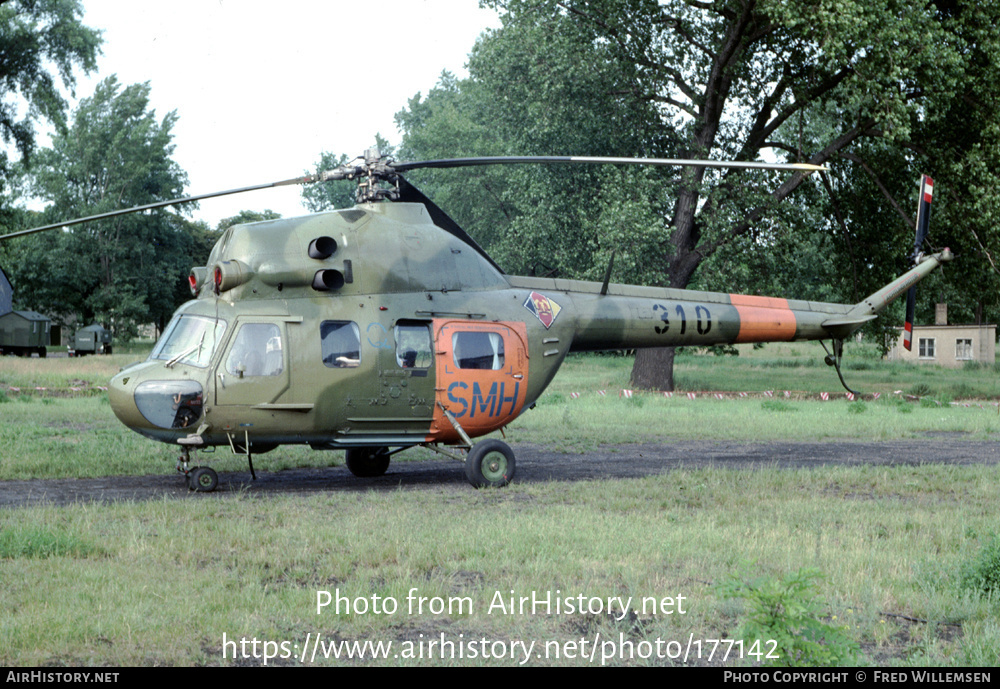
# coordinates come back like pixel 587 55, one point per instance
pixel 160 204
pixel 673 162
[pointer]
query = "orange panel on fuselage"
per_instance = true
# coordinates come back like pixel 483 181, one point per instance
pixel 763 319
pixel 481 399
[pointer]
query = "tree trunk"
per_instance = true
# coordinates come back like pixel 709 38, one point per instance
pixel 654 369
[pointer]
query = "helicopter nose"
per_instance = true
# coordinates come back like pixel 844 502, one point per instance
pixel 142 403
pixel 121 397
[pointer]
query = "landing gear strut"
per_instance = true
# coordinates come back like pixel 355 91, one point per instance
pixel 834 358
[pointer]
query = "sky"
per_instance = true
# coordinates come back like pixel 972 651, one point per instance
pixel 261 89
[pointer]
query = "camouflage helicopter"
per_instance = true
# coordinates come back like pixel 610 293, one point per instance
pixel 383 327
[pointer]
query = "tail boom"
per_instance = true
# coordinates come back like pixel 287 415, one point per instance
pixel 877 302
pixel 626 317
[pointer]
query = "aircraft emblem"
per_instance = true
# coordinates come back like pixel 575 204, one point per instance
pixel 545 309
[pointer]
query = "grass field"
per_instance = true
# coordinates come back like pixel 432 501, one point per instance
pixel 884 566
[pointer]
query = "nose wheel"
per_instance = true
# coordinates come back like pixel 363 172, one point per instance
pixel 199 479
pixel 202 479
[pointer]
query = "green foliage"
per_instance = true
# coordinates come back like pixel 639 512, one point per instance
pixel 789 611
pixel 857 407
pixel 981 575
pixel 776 405
pixel 872 88
pixel 243 217
pixel 127 270
pixel 41 43
pixel 41 542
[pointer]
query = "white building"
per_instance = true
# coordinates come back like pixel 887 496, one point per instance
pixel 948 345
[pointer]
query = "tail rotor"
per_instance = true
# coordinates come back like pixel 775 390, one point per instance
pixel 923 221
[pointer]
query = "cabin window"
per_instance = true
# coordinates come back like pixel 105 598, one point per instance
pixel 341 344
pixel 413 344
pixel 963 349
pixel 478 350
pixel 926 347
pixel 257 351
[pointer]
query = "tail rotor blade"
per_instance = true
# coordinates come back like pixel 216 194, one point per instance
pixel 911 307
pixel 923 213
pixel 923 222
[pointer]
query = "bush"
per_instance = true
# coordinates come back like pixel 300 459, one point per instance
pixel 857 407
pixel 776 405
pixel 982 574
pixel 788 611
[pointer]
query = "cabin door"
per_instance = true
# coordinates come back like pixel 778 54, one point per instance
pixel 253 369
pixel 482 376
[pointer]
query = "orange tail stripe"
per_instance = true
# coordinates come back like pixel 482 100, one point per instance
pixel 763 319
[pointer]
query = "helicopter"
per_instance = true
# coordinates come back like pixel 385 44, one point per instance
pixel 385 326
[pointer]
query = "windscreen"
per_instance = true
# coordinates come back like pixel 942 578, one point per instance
pixel 190 340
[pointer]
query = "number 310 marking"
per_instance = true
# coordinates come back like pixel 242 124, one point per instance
pixel 703 317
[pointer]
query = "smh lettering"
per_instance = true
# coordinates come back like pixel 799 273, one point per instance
pixel 491 405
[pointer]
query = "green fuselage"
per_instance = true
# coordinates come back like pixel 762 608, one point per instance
pixel 392 321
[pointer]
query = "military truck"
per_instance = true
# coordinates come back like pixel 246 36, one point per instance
pixel 94 339
pixel 24 333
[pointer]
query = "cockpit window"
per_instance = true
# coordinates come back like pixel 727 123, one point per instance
pixel 257 351
pixel 189 339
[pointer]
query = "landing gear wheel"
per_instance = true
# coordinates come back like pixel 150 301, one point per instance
pixel 490 464
pixel 367 462
pixel 203 479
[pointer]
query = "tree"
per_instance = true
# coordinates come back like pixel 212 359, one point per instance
pixel 37 38
pixel 243 216
pixel 732 79
pixel 122 271
pixel 41 43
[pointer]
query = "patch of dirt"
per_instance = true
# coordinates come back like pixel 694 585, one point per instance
pixel 534 464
